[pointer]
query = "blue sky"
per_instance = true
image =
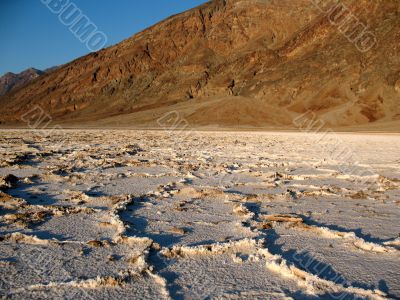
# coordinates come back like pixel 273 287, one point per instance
pixel 32 36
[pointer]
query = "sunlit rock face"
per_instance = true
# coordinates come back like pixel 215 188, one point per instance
pixel 235 63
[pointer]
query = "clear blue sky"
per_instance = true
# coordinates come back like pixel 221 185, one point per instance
pixel 32 36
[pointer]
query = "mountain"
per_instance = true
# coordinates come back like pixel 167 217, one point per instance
pixel 10 81
pixel 235 63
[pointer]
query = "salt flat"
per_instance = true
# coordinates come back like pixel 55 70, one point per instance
pixel 102 214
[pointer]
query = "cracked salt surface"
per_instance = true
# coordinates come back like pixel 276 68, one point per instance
pixel 225 215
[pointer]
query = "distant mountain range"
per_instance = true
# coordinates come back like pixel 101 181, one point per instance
pixel 232 63
pixel 10 81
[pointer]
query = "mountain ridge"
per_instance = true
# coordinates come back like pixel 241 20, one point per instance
pixel 230 63
pixel 10 80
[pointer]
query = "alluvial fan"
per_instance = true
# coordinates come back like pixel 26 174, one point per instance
pixel 233 63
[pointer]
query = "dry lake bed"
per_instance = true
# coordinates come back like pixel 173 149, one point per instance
pixel 101 214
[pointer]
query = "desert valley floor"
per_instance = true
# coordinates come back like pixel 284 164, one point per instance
pixel 102 214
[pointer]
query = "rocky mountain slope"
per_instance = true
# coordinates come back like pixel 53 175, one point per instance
pixel 249 63
pixel 10 81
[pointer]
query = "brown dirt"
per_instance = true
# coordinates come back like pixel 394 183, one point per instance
pixel 248 63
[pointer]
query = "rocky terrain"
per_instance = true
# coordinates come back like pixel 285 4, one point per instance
pixel 207 215
pixel 10 81
pixel 235 63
